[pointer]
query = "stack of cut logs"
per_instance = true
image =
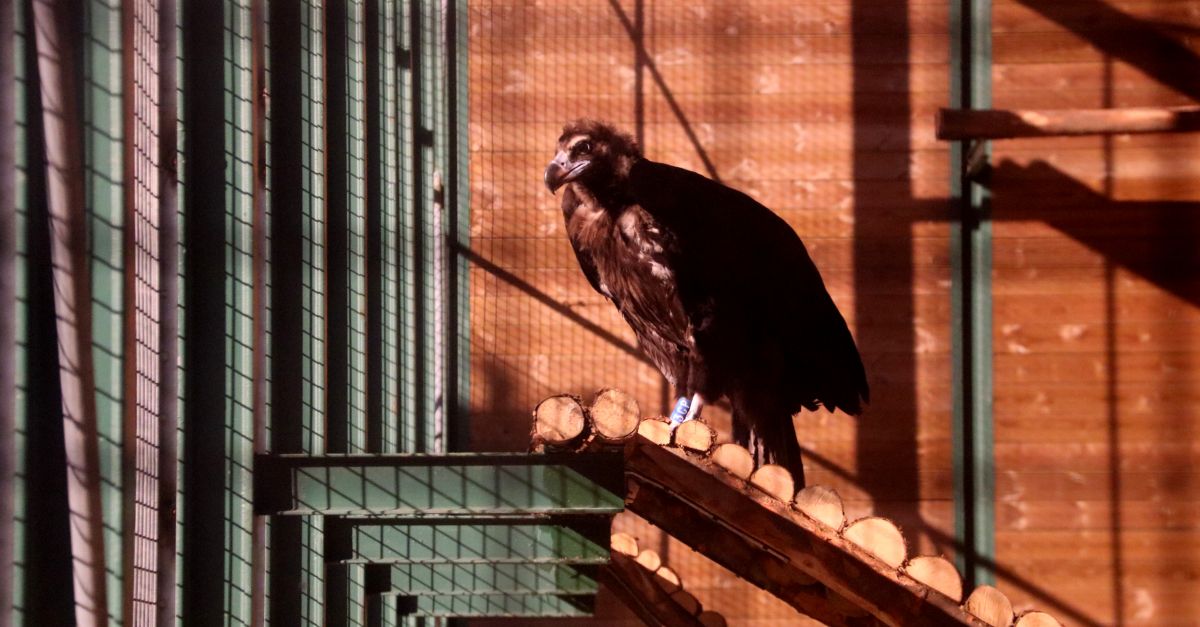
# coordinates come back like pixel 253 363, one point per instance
pixel 811 556
pixel 652 589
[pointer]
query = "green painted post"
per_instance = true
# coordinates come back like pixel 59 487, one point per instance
pixel 313 352
pixel 389 282
pixel 220 308
pixel 457 120
pixel 408 252
pixel 971 302
pixel 8 310
pixel 104 181
pixel 14 70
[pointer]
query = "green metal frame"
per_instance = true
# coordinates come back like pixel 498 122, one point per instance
pixel 454 483
pixel 971 303
pixel 104 177
pixel 468 543
pixel 495 605
pixel 435 578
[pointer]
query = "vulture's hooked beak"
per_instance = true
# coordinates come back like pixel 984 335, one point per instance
pixel 562 171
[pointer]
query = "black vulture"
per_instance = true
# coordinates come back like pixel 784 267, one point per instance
pixel 719 290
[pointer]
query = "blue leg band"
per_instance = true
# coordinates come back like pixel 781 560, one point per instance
pixel 680 412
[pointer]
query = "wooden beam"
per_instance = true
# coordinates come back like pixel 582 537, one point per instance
pixel 663 482
pixel 966 124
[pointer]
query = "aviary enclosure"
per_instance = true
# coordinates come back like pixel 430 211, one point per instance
pixel 282 285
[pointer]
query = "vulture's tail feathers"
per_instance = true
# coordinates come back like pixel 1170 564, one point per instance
pixel 770 437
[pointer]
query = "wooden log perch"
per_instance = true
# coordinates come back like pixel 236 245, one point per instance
pixel 959 124
pixel 769 543
pixel 879 537
pixel 624 544
pixel 649 559
pixel 695 436
pixel 615 415
pixel 650 589
pixel 687 601
pixel 990 605
pixel 668 579
pixel 937 573
pixel 558 421
pixel 657 430
pixel 1037 619
pixel 774 480
pixel 822 504
pixel 734 459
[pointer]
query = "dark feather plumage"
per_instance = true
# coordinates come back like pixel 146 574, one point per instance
pixel 720 291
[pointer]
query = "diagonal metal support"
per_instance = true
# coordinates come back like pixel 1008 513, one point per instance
pixel 467 484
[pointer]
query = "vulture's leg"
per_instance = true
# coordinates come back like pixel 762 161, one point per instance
pixel 678 415
pixel 696 407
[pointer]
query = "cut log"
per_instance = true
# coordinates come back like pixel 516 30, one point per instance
pixel 649 559
pixel 656 430
pixel 668 580
pixel 615 415
pixel 734 459
pixel 709 618
pixel 695 436
pixel 879 537
pixel 685 600
pixel 774 480
pixel 558 421
pixel 1001 124
pixel 822 504
pixel 1037 619
pixel 624 544
pixel 990 606
pixel 641 592
pixel 937 573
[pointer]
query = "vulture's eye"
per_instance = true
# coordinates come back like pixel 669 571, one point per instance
pixel 583 147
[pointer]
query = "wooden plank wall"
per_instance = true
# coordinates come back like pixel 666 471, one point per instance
pixel 821 109
pixel 1097 302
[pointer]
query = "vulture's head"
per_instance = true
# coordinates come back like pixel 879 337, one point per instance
pixel 594 153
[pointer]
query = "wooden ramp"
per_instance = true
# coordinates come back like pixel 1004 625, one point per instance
pixel 797 545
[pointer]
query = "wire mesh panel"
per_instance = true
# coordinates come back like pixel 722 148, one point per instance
pixel 823 112
pixel 144 284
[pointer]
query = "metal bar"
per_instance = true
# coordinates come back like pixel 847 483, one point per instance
pixel 421 137
pixel 8 312
pixel 497 605
pixel 374 234
pixel 390 156
pixel 459 227
pixel 287 300
pixel 427 485
pixel 377 580
pixel 62 121
pixel 220 303
pixel 973 124
pixel 168 359
pixel 104 139
pixel 971 348
pixel 336 215
pixel 356 153
pixel 259 299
